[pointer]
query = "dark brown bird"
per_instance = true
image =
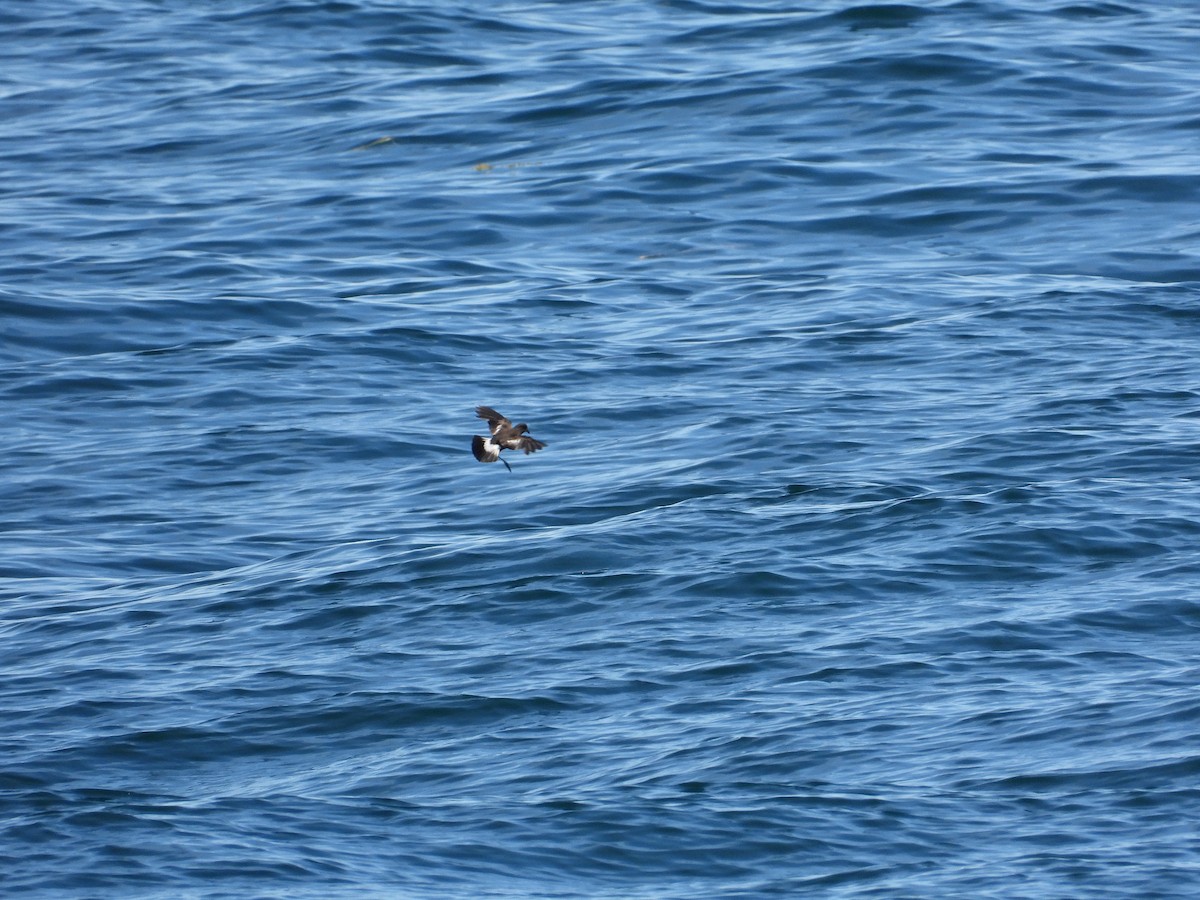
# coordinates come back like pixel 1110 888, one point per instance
pixel 505 436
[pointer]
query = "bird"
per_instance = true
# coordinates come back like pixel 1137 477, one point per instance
pixel 505 436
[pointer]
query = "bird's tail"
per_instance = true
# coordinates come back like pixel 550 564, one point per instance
pixel 485 451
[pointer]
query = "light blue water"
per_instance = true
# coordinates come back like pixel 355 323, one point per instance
pixel 861 561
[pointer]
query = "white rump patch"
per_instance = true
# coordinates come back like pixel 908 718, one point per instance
pixel 485 449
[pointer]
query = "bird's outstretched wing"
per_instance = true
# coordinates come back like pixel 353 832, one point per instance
pixel 530 445
pixel 494 419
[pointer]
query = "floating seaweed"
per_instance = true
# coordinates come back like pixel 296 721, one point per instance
pixel 379 141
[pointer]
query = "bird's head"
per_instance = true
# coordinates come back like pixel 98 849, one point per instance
pixel 522 428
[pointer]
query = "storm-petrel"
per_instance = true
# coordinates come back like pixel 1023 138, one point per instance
pixel 505 436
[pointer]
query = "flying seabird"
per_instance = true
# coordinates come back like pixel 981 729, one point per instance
pixel 505 436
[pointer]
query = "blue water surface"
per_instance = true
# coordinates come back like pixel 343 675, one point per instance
pixel 861 561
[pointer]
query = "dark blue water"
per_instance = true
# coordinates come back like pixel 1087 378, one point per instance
pixel 863 559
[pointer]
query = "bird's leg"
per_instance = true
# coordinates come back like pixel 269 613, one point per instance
pixel 505 461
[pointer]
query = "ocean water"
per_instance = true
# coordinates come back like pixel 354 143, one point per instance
pixel 862 560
